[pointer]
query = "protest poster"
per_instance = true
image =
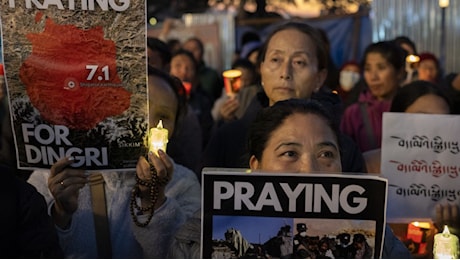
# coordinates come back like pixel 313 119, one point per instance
pixel 420 159
pixel 263 215
pixel 76 80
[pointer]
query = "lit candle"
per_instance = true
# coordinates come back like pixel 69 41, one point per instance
pixel 418 232
pixel 158 138
pixel 188 87
pixel 412 58
pixel 232 81
pixel 445 245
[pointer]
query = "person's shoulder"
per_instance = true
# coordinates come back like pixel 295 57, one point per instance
pixel 39 174
pixel 228 129
pixel 351 109
pixel 327 96
pixel 183 174
pixel 209 71
pixel 12 184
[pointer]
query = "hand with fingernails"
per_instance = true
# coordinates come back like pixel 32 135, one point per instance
pixel 64 184
pixel 229 108
pixel 164 169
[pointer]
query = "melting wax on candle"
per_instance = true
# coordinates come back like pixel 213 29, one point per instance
pixel 158 138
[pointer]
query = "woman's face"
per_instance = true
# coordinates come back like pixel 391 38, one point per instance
pixel 381 76
pixel 429 104
pixel 162 104
pixel 303 143
pixel 427 70
pixel 290 67
pixel 183 68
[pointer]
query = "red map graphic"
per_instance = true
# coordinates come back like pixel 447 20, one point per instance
pixel 58 81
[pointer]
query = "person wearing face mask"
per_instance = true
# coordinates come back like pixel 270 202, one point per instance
pixel 293 64
pixel 348 80
pixel 301 242
pixel 343 246
pixel 383 74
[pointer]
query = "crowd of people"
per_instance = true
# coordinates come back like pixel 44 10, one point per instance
pixel 289 116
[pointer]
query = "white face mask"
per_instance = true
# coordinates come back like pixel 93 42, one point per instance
pixel 348 79
pixel 303 234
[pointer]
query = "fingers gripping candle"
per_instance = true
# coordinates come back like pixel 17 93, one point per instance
pixel 158 138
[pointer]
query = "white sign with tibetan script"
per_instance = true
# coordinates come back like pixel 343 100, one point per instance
pixel 421 159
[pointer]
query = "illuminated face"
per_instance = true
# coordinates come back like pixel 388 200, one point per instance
pixel 429 104
pixel 381 77
pixel 303 143
pixel 290 67
pixel 427 70
pixel 183 67
pixel 162 104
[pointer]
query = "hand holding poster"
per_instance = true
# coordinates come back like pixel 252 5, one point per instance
pixel 420 155
pixel 75 73
pixel 254 215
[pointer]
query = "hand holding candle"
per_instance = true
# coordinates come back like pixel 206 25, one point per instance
pixel 445 245
pixel 158 138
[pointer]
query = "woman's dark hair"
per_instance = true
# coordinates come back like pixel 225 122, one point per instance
pixel 246 64
pixel 178 89
pixel 159 46
pixel 391 52
pixel 321 54
pixel 409 93
pixel 249 36
pixel 270 118
pixel 189 55
pixel 198 42
pixel 404 39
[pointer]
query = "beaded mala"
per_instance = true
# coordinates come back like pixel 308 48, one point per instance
pixel 153 185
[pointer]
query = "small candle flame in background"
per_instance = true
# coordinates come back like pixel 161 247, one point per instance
pixel 412 58
pixel 188 87
pixel 418 233
pixel 158 138
pixel 445 245
pixel 232 81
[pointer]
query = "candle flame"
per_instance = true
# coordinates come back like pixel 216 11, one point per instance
pixel 412 58
pixel 421 224
pixel 158 138
pixel 231 73
pixel 445 232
